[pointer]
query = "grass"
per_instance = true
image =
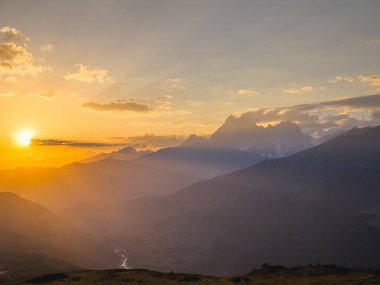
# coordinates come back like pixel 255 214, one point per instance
pixel 267 275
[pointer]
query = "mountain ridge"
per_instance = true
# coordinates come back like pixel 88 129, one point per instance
pixel 310 201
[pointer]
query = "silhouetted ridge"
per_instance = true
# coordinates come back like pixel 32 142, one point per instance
pixel 316 206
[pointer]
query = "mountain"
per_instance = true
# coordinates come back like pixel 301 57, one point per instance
pixel 277 140
pixel 238 143
pixel 317 206
pixel 126 153
pixel 108 180
pixel 34 241
pixel 160 173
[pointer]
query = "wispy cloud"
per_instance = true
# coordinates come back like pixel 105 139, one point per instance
pixel 48 94
pixel 247 92
pixel 340 78
pixel 173 85
pixel 58 142
pixel 47 48
pixel 143 141
pixel 373 80
pixel 89 74
pixel 118 106
pixel 300 90
pixel 6 94
pixel 138 105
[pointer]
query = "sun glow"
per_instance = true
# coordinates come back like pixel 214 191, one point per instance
pixel 24 137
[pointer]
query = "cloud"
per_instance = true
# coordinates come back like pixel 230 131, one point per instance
pixel 173 85
pixel 150 140
pixel 247 92
pixel 119 106
pixel 89 74
pixel 339 78
pixel 139 105
pixel 320 119
pixel 304 89
pixel 369 101
pixel 6 94
pixel 9 34
pixel 48 48
pixel 48 94
pixel 373 80
pixel 58 142
pixel 144 141
pixel 15 59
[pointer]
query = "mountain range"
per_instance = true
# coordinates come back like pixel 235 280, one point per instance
pixel 320 205
pixel 130 174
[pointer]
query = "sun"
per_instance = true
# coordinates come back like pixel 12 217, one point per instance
pixel 24 137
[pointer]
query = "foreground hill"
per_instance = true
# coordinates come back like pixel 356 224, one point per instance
pixel 320 205
pixel 269 275
pixel 34 241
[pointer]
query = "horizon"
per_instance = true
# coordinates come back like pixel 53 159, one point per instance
pixel 120 70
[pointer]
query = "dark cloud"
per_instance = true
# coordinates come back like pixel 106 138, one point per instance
pixel 144 141
pixel 119 106
pixel 370 101
pixel 56 142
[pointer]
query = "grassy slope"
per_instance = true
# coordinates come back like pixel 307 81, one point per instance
pixel 266 276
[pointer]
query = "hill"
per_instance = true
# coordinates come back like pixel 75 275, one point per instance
pixel 317 206
pixel 34 241
pixel 268 275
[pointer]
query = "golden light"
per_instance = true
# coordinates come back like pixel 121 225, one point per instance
pixel 24 137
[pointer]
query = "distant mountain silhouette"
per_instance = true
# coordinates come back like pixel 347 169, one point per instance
pixel 34 241
pixel 317 206
pixel 119 177
pixel 126 153
pixel 238 143
pixel 278 140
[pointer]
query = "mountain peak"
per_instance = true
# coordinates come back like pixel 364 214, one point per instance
pixel 128 149
pixel 277 140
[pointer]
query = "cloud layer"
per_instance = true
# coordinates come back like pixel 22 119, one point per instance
pixel 324 118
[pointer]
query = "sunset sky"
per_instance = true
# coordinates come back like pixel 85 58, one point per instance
pixel 90 76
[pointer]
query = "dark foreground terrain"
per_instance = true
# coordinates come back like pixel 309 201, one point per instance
pixel 266 275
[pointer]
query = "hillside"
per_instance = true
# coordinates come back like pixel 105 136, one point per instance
pixel 319 205
pixel 34 241
pixel 268 275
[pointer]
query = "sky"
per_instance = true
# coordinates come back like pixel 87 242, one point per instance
pixel 94 75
